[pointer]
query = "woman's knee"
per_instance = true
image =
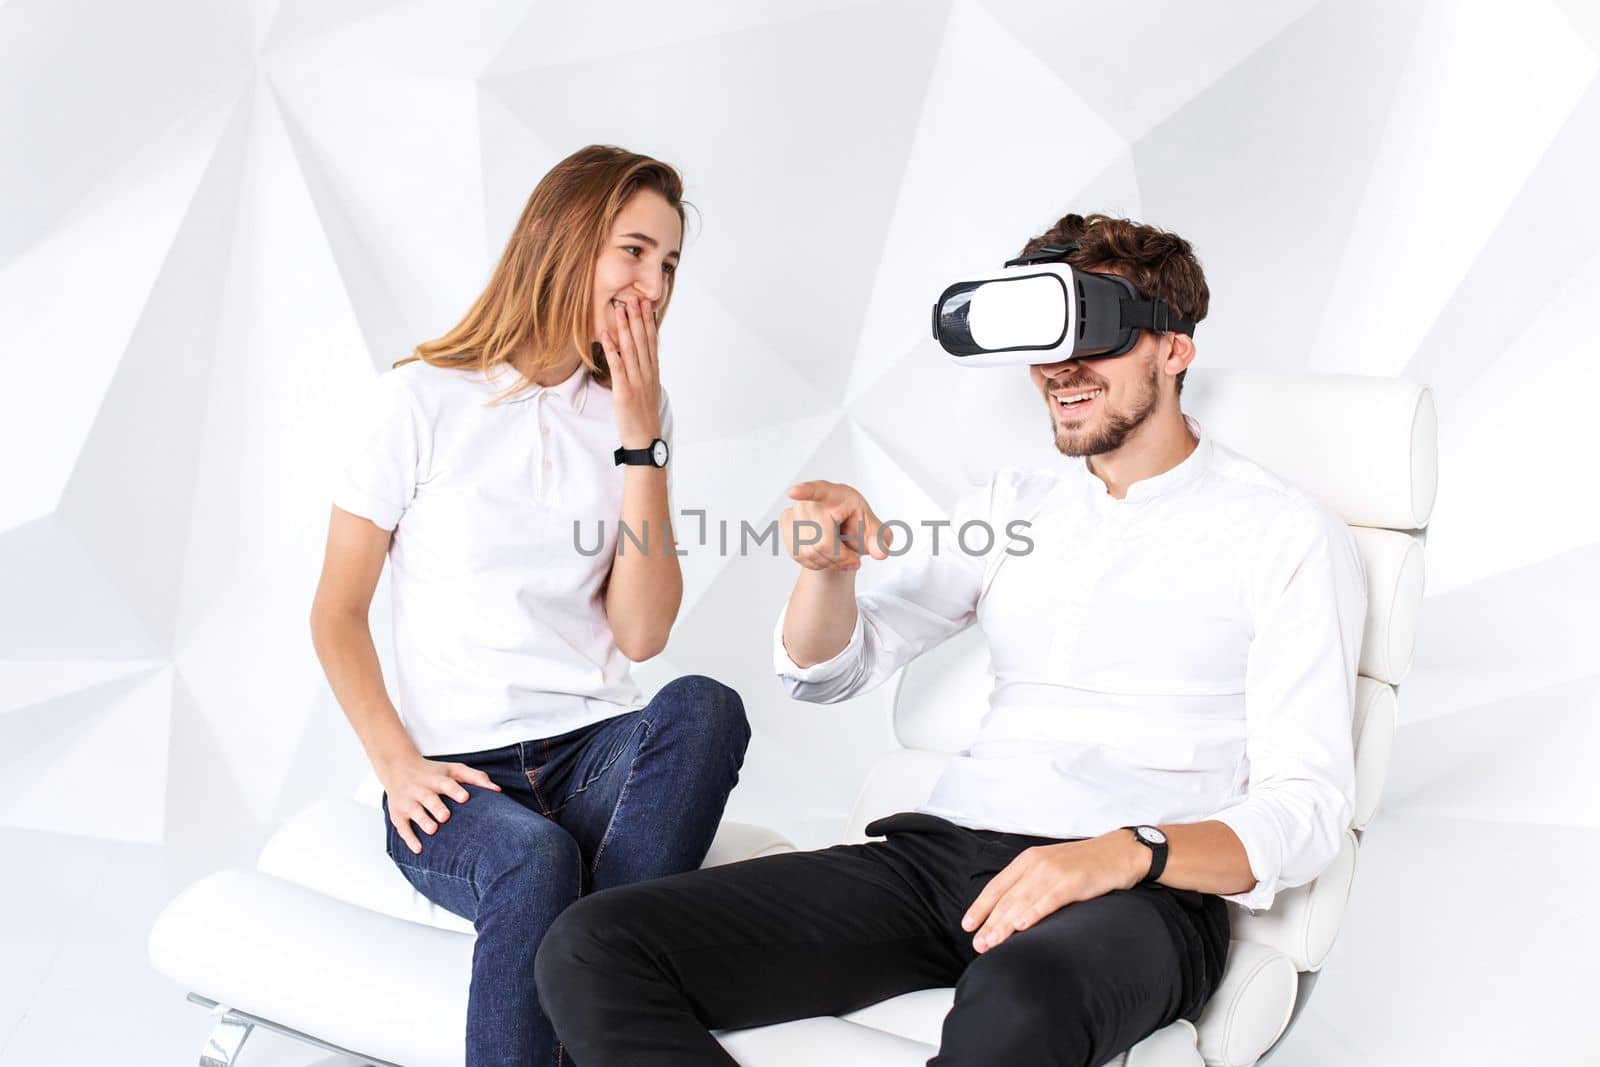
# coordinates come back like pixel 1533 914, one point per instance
pixel 535 868
pixel 708 709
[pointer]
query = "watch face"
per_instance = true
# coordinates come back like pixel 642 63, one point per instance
pixel 658 452
pixel 1151 836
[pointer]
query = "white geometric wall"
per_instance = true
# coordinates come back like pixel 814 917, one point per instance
pixel 221 219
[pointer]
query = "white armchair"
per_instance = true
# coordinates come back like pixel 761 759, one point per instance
pixel 324 936
pixel 1368 448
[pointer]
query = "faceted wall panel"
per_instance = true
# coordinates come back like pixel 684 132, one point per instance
pixel 222 219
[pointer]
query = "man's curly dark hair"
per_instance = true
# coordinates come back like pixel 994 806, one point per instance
pixel 1159 264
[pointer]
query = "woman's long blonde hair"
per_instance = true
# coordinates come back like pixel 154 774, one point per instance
pixel 541 292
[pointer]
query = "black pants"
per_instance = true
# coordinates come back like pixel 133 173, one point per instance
pixel 638 974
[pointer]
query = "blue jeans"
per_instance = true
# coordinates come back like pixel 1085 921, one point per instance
pixel 634 797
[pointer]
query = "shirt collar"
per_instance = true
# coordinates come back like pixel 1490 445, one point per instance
pixel 1185 473
pixel 574 390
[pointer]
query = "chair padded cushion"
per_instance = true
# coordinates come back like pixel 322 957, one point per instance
pixel 336 847
pixel 1394 568
pixel 1176 1045
pixel 828 1040
pixel 344 974
pixel 1303 922
pixel 736 841
pixel 919 1016
pixel 1250 1008
pixel 1366 447
pixel 1376 717
pixel 905 1030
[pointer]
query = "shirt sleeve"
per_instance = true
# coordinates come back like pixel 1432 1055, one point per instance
pixel 1300 676
pixel 378 478
pixel 927 596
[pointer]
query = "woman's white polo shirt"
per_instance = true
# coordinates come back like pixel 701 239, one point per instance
pixel 499 621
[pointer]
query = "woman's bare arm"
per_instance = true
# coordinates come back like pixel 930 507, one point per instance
pixel 352 562
pixel 645 587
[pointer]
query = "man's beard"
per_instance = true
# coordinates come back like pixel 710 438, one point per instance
pixel 1114 428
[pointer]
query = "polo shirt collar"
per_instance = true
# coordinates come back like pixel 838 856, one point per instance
pixel 1185 473
pixel 574 390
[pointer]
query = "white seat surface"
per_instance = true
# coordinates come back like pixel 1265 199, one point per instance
pixel 349 976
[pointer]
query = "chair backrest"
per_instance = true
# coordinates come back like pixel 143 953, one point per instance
pixel 1367 447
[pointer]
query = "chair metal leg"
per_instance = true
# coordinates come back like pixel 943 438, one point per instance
pixel 227 1038
pixel 233 1026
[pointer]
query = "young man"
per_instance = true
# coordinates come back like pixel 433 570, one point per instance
pixel 1169 727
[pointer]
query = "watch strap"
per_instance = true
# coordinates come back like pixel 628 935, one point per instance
pixel 638 457
pixel 1158 856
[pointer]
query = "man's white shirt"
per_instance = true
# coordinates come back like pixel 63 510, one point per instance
pixel 1186 653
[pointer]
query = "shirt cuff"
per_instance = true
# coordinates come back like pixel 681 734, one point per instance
pixel 1256 832
pixel 828 669
pixel 348 498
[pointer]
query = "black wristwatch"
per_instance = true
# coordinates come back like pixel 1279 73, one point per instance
pixel 1156 841
pixel 654 456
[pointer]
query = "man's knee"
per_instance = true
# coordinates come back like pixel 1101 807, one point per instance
pixel 1079 988
pixel 1020 994
pixel 562 946
pixel 588 942
pixel 1022 1003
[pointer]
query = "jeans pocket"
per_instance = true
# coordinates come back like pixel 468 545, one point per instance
pixel 637 737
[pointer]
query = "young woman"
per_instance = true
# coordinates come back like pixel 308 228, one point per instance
pixel 522 767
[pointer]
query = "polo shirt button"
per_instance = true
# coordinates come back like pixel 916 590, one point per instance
pixel 546 464
pixel 545 430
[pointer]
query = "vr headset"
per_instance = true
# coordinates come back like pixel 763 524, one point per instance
pixel 1041 309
